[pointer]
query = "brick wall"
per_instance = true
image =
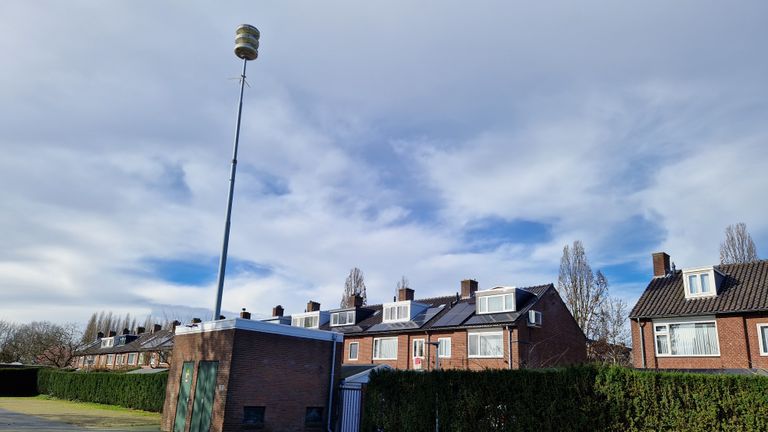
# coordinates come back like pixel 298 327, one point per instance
pixel 559 341
pixel 737 336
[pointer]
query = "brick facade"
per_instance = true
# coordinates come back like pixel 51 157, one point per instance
pixel 282 373
pixel 738 340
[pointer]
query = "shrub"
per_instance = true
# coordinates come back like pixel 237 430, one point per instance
pixel 18 381
pixel 139 391
pixel 583 398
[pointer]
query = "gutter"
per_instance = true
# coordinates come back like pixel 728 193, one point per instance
pixel 509 346
pixel 330 385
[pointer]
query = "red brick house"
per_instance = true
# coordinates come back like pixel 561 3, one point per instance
pixel 126 351
pixel 704 318
pixel 498 328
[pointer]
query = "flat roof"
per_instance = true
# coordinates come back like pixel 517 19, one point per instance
pixel 259 326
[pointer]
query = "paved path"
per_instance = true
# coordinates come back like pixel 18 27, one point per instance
pixel 13 421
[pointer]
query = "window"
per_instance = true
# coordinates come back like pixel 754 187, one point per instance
pixel 700 282
pixel 308 321
pixel 110 359
pixel 141 359
pixel 496 303
pixel 313 416
pixel 132 358
pixel 485 344
pixel 444 349
pixel 353 348
pixel 342 318
pixel 686 339
pixel 397 312
pixel 385 348
pixel 418 348
pixel 762 333
pixel 107 342
pixel 253 415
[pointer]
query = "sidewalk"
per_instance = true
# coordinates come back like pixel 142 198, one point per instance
pixel 35 414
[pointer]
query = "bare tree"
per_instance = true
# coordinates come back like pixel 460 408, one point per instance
pixel 584 291
pixel 91 329
pixel 43 342
pixel 612 335
pixel 355 284
pixel 7 331
pixel 738 247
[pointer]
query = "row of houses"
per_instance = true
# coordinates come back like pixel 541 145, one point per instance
pixel 703 318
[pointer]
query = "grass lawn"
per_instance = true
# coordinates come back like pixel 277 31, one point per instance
pixel 84 414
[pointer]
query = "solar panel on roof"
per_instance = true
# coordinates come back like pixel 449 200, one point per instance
pixel 455 316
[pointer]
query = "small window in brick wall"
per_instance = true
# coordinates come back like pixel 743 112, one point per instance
pixel 253 416
pixel 314 416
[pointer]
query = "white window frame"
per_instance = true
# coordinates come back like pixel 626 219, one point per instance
pixel 697 273
pixel 493 332
pixel 444 342
pixel 667 323
pixel 108 342
pixel 378 341
pixel 763 348
pixel 481 300
pixel 388 317
pixel 110 359
pixel 314 316
pixel 141 359
pixel 357 351
pixel 349 318
pixel 131 361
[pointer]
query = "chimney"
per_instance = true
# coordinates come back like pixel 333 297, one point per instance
pixel 277 311
pixel 100 335
pixel 112 333
pixel 175 323
pixel 245 315
pixel 196 320
pixel 660 264
pixel 404 294
pixel 126 331
pixel 357 301
pixel 468 288
pixel 156 328
pixel 313 306
pixel 140 330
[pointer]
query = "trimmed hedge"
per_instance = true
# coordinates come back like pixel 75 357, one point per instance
pixel 18 381
pixel 139 391
pixel 583 398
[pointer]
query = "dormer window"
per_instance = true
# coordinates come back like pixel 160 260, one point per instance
pixel 495 300
pixel 107 342
pixel 399 311
pixel 306 320
pixel 342 318
pixel 700 282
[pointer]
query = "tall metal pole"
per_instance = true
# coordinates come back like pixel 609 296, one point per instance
pixel 233 170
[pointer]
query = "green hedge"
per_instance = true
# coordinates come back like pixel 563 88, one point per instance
pixel 584 398
pixel 18 381
pixel 139 391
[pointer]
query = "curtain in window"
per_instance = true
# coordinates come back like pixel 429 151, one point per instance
pixel 693 339
pixel 489 345
pixel 387 348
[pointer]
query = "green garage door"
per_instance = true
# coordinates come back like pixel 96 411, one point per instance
pixel 204 392
pixel 182 403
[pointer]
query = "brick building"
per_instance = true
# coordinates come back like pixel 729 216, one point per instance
pixel 126 351
pixel 704 318
pixel 500 328
pixel 239 374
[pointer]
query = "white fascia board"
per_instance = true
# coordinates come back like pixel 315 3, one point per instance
pixel 496 291
pixel 260 326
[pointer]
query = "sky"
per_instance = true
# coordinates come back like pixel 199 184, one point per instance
pixel 435 140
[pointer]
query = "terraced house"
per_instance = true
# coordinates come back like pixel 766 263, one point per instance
pixel 705 318
pixel 501 327
pixel 142 349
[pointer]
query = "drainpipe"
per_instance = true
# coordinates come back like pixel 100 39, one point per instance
pixel 330 385
pixel 642 341
pixel 509 347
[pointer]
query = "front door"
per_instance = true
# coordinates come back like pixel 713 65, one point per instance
pixel 205 389
pixel 418 354
pixel 182 402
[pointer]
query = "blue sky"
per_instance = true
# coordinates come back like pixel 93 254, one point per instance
pixel 435 140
